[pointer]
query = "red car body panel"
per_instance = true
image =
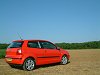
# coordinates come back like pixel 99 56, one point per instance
pixel 40 55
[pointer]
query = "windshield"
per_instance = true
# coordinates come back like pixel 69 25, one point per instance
pixel 15 45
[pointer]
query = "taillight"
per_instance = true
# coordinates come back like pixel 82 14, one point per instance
pixel 19 51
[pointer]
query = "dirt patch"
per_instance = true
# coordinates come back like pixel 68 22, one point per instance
pixel 82 62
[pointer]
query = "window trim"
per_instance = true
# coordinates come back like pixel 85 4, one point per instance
pixel 39 44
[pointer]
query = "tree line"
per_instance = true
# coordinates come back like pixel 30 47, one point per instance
pixel 84 45
pixel 3 46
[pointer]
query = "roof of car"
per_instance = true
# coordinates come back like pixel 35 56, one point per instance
pixel 29 40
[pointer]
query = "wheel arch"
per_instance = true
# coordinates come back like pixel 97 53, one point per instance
pixel 65 55
pixel 30 57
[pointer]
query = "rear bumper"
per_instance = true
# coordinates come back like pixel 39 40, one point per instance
pixel 14 60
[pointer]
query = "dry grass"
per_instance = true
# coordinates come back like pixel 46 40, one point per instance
pixel 83 62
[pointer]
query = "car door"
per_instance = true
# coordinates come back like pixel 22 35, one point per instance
pixel 52 54
pixel 36 51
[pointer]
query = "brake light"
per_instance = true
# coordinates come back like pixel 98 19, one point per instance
pixel 19 51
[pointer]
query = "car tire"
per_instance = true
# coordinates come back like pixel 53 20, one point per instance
pixel 29 64
pixel 64 60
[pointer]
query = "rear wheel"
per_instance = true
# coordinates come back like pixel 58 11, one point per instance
pixel 64 60
pixel 29 64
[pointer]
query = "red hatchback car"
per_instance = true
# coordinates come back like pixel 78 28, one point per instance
pixel 29 53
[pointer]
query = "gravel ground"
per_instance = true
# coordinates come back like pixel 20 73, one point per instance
pixel 82 62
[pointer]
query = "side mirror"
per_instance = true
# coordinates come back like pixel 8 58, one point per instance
pixel 58 48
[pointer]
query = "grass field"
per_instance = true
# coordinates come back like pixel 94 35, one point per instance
pixel 82 62
pixel 2 53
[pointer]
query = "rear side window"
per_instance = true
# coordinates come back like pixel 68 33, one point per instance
pixel 15 45
pixel 33 44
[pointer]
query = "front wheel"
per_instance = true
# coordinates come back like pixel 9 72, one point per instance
pixel 29 64
pixel 64 60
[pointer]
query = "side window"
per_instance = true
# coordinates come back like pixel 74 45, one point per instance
pixel 47 45
pixel 33 44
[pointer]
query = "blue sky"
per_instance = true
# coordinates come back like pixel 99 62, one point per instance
pixel 54 20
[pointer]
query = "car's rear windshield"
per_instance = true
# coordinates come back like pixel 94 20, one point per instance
pixel 16 44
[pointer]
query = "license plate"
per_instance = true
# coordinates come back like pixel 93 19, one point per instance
pixel 9 59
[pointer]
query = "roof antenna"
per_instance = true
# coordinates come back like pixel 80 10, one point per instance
pixel 20 36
